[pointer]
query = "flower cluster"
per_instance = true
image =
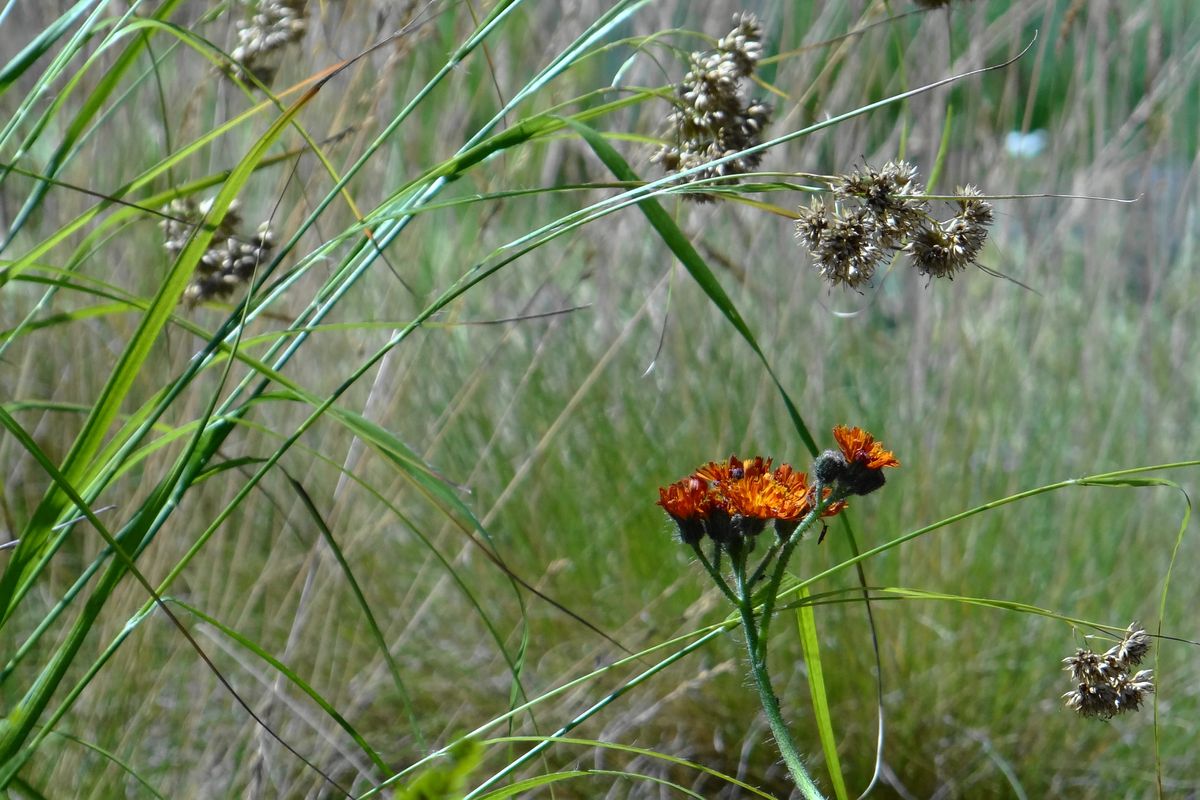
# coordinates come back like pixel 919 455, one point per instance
pixel 1106 684
pixel 732 500
pixel 229 260
pixel 711 120
pixel 272 26
pixel 876 212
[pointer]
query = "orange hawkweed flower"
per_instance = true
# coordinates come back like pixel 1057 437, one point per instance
pixel 751 502
pixel 689 503
pixel 733 469
pixel 858 469
pixel 799 496
pixel 731 500
pixel 860 448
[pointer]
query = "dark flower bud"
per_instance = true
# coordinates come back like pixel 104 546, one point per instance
pixel 746 526
pixel 861 480
pixel 829 467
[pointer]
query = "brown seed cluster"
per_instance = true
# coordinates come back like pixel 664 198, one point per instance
pixel 711 120
pixel 1106 684
pixel 270 26
pixel 230 259
pixel 878 212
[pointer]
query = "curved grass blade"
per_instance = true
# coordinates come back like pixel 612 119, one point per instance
pixel 41 44
pixel 458 579
pixel 112 757
pixel 292 677
pixel 105 86
pixel 361 599
pixel 1116 478
pixel 552 778
pixel 638 751
pixel 21 720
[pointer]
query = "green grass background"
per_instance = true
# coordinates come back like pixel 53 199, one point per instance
pixel 559 429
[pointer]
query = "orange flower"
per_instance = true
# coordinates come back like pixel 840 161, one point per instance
pixel 756 497
pixel 734 499
pixel 733 469
pixel 686 499
pixel 798 495
pixel 689 503
pixel 860 448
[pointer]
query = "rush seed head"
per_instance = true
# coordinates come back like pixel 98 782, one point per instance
pixel 711 119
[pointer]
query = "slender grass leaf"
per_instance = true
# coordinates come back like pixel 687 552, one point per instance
pixel 41 43
pixel 806 621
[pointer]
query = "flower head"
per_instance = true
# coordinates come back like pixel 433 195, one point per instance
pixel 711 119
pixel 733 468
pixel 688 502
pixel 801 496
pixel 1105 684
pixel 858 468
pixel 860 448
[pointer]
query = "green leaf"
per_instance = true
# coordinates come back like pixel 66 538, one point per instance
pixel 445 780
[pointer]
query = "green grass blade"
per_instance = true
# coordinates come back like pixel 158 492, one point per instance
pixel 112 757
pixel 105 86
pixel 41 43
pixel 806 622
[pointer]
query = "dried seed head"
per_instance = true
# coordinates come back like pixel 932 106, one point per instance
pixel 1132 648
pixel 847 252
pixel 1086 667
pixel 742 47
pixel 1093 700
pixel 1104 685
pixel 884 210
pixel 711 120
pixel 811 224
pixel 229 261
pixel 271 25
pixel 891 195
pixel 940 249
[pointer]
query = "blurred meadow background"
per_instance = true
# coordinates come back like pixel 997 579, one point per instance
pixel 493 418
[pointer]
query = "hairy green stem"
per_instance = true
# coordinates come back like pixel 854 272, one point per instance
pixel 715 573
pixel 762 681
